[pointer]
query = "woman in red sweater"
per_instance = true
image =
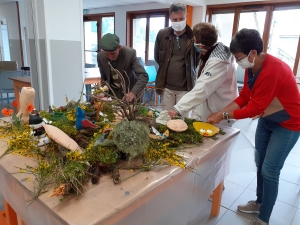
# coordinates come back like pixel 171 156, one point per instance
pixel 270 90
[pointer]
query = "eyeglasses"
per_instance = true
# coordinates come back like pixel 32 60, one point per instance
pixel 202 45
pixel 240 58
pixel 178 43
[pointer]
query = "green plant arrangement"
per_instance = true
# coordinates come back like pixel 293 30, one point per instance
pixel 117 132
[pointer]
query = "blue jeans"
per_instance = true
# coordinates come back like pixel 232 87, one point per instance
pixel 273 143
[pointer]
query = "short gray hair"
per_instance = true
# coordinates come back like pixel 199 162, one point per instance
pixel 177 7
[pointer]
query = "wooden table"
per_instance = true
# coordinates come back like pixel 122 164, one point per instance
pixel 92 75
pixel 160 196
pixel 20 82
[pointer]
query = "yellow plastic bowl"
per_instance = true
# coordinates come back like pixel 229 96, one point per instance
pixel 206 129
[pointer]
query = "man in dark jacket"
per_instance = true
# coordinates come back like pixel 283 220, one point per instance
pixel 121 58
pixel 177 58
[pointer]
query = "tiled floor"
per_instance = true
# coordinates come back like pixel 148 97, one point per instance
pixel 240 185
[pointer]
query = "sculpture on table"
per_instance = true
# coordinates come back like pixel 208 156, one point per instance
pixel 27 96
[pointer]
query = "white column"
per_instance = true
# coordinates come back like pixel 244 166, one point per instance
pixel 55 31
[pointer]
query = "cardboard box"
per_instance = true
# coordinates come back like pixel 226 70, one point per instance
pixel 8 65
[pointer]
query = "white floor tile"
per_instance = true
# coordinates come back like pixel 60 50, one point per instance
pixel 242 179
pixel 231 193
pixel 206 218
pixel 296 219
pixel 282 214
pixel 245 197
pixel 289 193
pixel 252 185
pixel 293 159
pixel 242 160
pixel 232 218
pixel 291 174
pixel 296 148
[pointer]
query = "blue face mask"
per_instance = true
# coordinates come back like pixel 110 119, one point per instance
pixel 197 48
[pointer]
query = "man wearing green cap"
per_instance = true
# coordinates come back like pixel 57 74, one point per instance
pixel 121 58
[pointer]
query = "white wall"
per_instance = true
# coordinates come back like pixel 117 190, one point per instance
pixel 9 11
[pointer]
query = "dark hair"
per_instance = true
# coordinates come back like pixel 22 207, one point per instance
pixel 246 40
pixel 205 33
pixel 177 7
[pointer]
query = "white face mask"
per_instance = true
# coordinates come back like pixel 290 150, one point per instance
pixel 244 63
pixel 178 26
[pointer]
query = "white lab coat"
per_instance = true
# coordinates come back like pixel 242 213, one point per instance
pixel 215 89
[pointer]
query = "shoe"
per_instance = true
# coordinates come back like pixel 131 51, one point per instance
pixel 258 222
pixel 250 207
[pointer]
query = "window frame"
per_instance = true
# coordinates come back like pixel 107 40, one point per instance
pixel 98 18
pixel 267 6
pixel 143 14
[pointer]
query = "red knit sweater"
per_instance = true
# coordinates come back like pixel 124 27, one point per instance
pixel 274 95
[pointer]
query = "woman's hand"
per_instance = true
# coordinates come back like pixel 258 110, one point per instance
pixel 172 113
pixel 215 118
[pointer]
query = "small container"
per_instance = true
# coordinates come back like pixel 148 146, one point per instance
pixel 26 70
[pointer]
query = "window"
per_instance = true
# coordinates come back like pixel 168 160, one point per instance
pixel 144 27
pixel 284 35
pixel 277 23
pixel 223 21
pixel 95 27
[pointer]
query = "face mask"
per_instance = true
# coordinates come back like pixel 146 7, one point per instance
pixel 178 26
pixel 244 63
pixel 197 48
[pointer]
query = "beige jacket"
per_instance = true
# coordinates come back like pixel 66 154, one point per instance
pixel 214 89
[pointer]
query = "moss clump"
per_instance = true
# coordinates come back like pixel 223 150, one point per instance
pixel 66 126
pixel 106 155
pixel 190 136
pixel 131 137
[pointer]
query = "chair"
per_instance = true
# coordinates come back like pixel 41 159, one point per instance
pixel 89 65
pixel 240 72
pixel 141 61
pixel 151 83
pixel 152 63
pixel 7 85
pixel 88 87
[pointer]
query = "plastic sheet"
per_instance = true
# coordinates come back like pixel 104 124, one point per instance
pixel 164 195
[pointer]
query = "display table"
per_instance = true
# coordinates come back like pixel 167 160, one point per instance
pixel 20 82
pixel 164 195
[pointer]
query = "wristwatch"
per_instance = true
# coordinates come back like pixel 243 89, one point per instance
pixel 226 117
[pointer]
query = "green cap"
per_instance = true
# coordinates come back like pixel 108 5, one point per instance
pixel 109 42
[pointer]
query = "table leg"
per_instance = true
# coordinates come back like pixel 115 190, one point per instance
pixel 10 214
pixel 17 94
pixel 216 200
pixel 2 217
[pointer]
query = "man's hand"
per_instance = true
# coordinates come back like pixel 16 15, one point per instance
pixel 215 118
pixel 172 113
pixel 129 97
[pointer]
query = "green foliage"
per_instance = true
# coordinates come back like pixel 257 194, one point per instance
pixel 106 155
pixel 143 111
pixel 109 111
pixel 66 126
pixel 131 137
pixel 190 136
pixel 72 173
pixel 45 114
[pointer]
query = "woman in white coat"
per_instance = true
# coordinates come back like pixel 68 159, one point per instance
pixel 216 86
